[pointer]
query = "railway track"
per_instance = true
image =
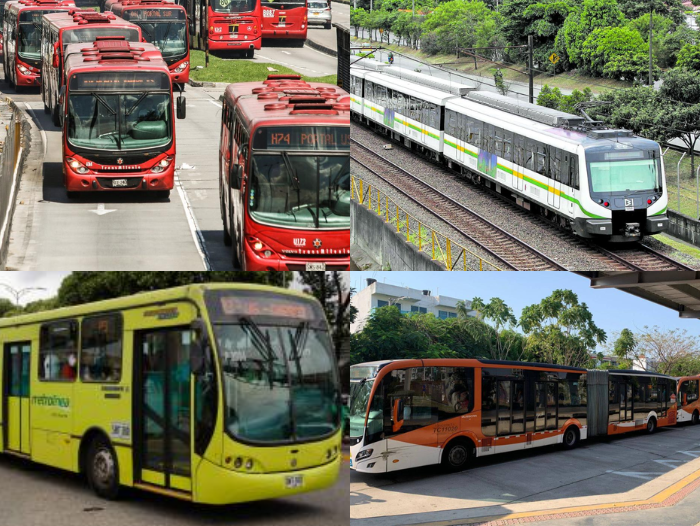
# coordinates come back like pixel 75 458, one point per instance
pixel 508 250
pixel 635 257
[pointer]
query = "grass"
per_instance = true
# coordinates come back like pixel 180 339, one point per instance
pixel 231 70
pixel 688 205
pixel 568 80
pixel 685 248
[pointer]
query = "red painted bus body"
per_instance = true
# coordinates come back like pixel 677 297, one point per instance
pixel 117 116
pixel 22 39
pixel 73 27
pixel 164 25
pixel 234 26
pixel 284 174
pixel 285 19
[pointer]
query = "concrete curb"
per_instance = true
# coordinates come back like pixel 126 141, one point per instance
pixel 201 84
pixel 321 48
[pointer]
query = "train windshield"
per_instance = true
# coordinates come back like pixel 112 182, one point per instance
pixel 624 176
pixel 301 190
pixel 233 6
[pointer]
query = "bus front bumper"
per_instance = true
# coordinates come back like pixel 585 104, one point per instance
pixel 28 80
pixel 115 181
pixel 223 42
pixel 217 485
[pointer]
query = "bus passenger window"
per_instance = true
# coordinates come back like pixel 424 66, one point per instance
pixel 101 356
pixel 58 351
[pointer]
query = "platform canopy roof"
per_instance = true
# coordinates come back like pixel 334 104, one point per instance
pixel 677 290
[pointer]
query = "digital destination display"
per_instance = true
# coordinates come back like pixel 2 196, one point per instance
pixel 302 138
pixel 154 15
pixel 279 308
pixel 122 80
pixel 225 306
pixel 35 15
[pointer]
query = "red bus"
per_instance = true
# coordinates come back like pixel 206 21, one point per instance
pixel 233 25
pixel 22 39
pixel 164 25
pixel 285 19
pixel 688 400
pixel 76 26
pixel 118 130
pixel 411 413
pixel 284 174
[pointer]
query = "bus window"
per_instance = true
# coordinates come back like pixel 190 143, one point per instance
pixel 58 351
pixel 572 399
pixel 504 401
pixel 489 407
pixel 613 401
pixel 101 352
pixel 414 387
pixel 457 393
pixel 689 392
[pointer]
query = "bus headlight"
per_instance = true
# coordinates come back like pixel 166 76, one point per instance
pixel 364 454
pixel 181 67
pixel 260 248
pixel 23 70
pixel 162 165
pixel 77 166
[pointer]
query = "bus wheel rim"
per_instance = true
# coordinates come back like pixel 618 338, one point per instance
pixel 103 467
pixel 458 455
pixel 570 437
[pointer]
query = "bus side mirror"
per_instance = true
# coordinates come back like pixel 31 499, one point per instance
pixel 398 413
pixel 199 346
pixel 236 174
pixel 181 107
pixel 56 60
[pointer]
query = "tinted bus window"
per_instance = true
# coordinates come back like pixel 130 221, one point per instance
pixel 58 351
pixel 689 392
pixel 101 352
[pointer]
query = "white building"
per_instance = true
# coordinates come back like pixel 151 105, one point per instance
pixel 407 300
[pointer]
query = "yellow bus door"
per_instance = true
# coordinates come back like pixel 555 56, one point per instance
pixel 162 384
pixel 16 397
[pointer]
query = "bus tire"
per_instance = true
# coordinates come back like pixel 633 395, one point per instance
pixel 651 425
pixel 73 195
pixel 163 194
pixel 55 117
pixel 235 253
pixel 103 469
pixel 571 437
pixel 695 419
pixel 227 222
pixel 457 454
pixel 250 53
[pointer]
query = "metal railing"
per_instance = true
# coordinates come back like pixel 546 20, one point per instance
pixel 428 240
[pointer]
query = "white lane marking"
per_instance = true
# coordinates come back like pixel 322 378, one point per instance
pixel 38 125
pixel 192 222
pixel 215 103
pixel 644 475
pixel 690 453
pixel 101 210
pixel 669 463
pixel 286 52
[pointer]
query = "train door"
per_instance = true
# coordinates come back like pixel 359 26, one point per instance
pixel 16 397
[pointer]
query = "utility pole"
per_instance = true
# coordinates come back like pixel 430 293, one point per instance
pixel 530 45
pixel 18 293
pixel 651 31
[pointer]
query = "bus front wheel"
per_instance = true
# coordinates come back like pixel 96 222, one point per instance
pixel 103 469
pixel 571 437
pixel 457 455
pixel 695 418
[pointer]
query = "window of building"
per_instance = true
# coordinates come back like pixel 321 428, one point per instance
pixel 443 315
pixel 58 351
pixel 453 314
pixel 421 310
pixel 382 303
pixel 101 353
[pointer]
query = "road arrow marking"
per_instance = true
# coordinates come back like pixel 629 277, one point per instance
pixel 644 475
pixel 100 211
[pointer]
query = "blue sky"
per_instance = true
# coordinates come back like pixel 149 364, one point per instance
pixel 612 310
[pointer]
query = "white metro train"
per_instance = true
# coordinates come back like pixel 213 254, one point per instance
pixel 606 184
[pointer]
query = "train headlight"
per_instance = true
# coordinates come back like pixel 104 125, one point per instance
pixel 77 166
pixel 181 67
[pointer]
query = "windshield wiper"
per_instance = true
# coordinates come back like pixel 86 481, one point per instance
pixel 292 176
pixel 298 341
pixel 112 112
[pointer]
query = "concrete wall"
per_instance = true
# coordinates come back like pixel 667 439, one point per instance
pixel 684 227
pixel 379 240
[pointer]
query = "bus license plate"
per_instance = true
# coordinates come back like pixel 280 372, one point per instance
pixel 294 481
pixel 315 266
pixel 282 24
pixel 116 183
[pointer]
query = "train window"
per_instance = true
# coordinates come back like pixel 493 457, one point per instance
pixel 541 158
pixel 400 105
pixel 565 179
pixel 498 142
pixel 518 143
pixel 488 139
pixel 555 164
pixel 508 146
pixel 369 90
pixel 475 132
pixel 529 154
pixel 573 171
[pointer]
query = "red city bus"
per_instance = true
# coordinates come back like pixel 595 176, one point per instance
pixel 118 130
pixel 164 25
pixel 688 400
pixel 285 19
pixel 76 26
pixel 22 39
pixel 284 174
pixel 233 25
pixel 411 413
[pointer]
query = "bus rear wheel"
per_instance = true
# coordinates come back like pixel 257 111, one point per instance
pixel 651 425
pixel 457 455
pixel 695 419
pixel 571 437
pixel 103 469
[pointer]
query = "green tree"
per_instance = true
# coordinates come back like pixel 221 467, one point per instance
pixel 461 24
pixel 358 18
pixel 614 52
pixel 665 349
pixel 561 330
pixel 503 321
pixel 568 102
pixel 685 366
pixel 689 57
pixel 662 49
pixel 593 14
pixel 625 347
pixel 672 9
pixel 549 98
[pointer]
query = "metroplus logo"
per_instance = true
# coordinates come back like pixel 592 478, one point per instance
pixel 299 241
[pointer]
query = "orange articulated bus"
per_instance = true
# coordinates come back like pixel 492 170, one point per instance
pixel 411 413
pixel 688 402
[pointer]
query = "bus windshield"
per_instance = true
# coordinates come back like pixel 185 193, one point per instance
pixel 29 34
pixel 300 190
pixel 233 6
pixel 169 37
pixel 359 398
pixel 624 176
pixel 90 34
pixel 119 121
pixel 279 375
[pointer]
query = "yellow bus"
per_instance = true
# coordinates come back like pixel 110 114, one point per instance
pixel 216 393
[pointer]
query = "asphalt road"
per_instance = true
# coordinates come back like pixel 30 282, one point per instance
pixel 596 467
pixel 327 37
pixel 34 495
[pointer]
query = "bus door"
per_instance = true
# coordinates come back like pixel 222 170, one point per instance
pixel 16 397
pixel 163 408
